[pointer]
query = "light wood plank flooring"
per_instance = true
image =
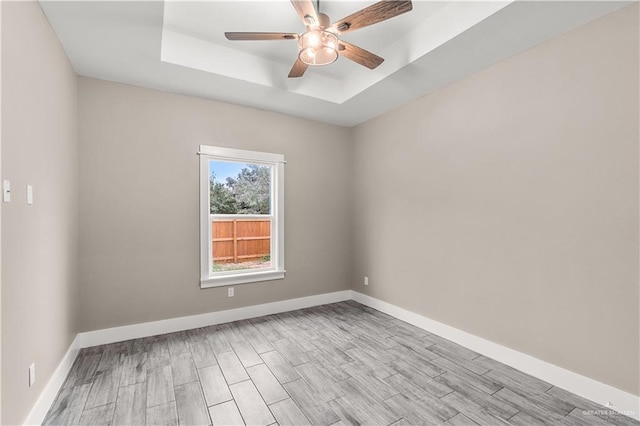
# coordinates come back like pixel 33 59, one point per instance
pixel 336 364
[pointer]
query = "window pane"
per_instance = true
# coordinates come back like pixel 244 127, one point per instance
pixel 239 188
pixel 236 190
pixel 240 244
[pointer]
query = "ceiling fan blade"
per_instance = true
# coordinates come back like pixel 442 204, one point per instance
pixel 261 36
pixel 359 55
pixel 306 11
pixel 298 69
pixel 373 14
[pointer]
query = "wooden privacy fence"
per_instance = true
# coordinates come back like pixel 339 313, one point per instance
pixel 240 240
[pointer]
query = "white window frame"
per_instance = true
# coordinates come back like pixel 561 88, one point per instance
pixel 226 278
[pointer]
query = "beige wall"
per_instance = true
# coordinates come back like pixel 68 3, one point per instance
pixel 506 204
pixel 39 242
pixel 139 226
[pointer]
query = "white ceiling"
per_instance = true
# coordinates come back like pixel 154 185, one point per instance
pixel 179 46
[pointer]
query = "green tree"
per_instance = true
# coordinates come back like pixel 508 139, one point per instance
pixel 221 198
pixel 252 189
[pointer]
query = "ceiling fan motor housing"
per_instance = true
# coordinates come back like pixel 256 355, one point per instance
pixel 325 22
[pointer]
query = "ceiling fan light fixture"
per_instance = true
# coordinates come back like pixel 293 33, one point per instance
pixel 318 47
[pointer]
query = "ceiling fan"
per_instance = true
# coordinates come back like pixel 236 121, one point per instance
pixel 319 44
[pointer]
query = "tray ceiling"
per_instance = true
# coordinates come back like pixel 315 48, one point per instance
pixel 179 46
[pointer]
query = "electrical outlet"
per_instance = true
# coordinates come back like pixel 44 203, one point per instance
pixel 32 374
pixel 230 292
pixel 366 280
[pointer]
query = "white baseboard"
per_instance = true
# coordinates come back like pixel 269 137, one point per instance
pixel 600 393
pixel 50 391
pixel 593 390
pixel 135 331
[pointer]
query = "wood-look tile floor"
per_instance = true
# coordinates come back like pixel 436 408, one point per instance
pixel 335 364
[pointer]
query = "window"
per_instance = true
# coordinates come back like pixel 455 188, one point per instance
pixel 241 216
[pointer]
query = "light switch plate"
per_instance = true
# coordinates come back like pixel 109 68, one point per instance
pixel 29 194
pixel 32 374
pixel 6 191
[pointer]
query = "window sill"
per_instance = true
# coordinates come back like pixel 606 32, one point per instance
pixel 250 277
